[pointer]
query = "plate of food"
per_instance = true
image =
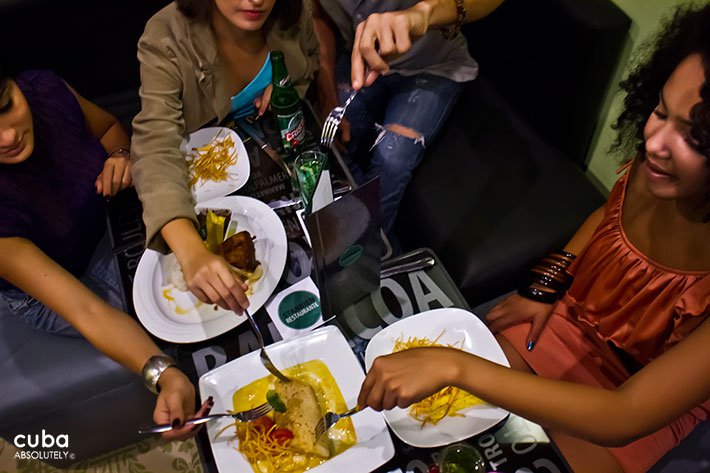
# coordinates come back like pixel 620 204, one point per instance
pixel 326 376
pixel 217 161
pixel 246 233
pixel 451 414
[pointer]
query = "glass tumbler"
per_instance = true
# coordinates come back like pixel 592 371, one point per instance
pixel 461 458
pixel 307 167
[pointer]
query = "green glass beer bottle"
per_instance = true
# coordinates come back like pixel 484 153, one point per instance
pixel 286 105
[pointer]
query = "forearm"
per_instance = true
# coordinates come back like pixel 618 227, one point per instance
pixel 182 238
pixel 443 12
pixel 601 416
pixel 131 349
pixel 115 137
pixel 326 78
pixel 111 331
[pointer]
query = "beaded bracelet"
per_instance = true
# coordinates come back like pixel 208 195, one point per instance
pixel 450 32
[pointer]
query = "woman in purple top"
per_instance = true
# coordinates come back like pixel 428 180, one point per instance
pixel 60 155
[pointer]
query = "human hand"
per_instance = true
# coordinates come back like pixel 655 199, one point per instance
pixel 262 103
pixel 209 278
pixel 408 376
pixel 176 404
pixel 382 37
pixel 517 310
pixel 115 176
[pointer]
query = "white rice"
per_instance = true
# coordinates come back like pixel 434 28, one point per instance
pixel 174 273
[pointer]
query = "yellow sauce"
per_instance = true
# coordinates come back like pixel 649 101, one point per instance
pixel 316 374
pixel 168 295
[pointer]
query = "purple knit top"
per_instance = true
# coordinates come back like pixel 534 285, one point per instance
pixel 50 198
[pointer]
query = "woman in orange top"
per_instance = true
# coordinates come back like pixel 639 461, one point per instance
pixel 617 397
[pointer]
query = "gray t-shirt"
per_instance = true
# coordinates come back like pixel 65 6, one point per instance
pixel 430 53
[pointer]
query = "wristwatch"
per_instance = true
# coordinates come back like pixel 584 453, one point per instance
pixel 153 368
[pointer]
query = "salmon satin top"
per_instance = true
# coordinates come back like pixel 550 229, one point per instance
pixel 640 305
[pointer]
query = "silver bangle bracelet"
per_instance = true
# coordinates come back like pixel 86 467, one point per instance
pixel 153 368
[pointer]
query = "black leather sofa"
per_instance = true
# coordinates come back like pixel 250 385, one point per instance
pixel 503 183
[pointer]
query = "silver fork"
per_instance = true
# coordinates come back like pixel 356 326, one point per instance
pixel 331 418
pixel 244 416
pixel 265 360
pixel 332 122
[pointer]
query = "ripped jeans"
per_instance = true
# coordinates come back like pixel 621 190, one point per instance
pixel 391 123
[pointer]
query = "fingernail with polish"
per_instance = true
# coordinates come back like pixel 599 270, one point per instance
pixel 176 423
pixel 531 345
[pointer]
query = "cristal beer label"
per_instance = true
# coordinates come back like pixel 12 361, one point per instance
pixel 293 131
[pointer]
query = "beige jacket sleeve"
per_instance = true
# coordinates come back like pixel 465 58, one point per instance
pixel 309 40
pixel 160 173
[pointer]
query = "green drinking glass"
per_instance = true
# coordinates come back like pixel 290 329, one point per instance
pixel 461 458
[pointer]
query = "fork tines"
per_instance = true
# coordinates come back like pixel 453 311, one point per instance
pixel 256 412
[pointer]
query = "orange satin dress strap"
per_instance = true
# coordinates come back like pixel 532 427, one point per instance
pixel 640 305
pixel 621 296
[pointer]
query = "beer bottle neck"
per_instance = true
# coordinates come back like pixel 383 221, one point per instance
pixel 280 77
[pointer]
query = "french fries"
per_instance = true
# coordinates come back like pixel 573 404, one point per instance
pixel 211 162
pixel 444 403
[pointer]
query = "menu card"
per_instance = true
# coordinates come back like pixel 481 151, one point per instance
pixel 345 238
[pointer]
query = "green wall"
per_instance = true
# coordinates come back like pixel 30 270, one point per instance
pixel 645 18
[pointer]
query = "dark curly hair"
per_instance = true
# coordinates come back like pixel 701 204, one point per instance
pixel 686 32
pixel 285 13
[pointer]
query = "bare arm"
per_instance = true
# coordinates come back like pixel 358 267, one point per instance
pixel 516 309
pixel 111 331
pixel 584 233
pixel 384 36
pixel 116 174
pixel 443 12
pixel 325 79
pixel 665 389
pixel 28 268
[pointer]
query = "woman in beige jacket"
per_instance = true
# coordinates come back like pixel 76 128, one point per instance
pixel 195 57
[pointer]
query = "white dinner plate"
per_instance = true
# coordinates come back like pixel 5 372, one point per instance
pixel 458 325
pixel 374 446
pixel 185 319
pixel 237 173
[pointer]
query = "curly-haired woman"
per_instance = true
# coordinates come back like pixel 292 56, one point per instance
pixel 622 357
pixel 201 61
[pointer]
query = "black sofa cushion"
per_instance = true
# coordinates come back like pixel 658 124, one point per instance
pixel 504 181
pixel 490 197
pixel 63 385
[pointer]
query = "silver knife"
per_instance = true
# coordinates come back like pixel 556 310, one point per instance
pixel 263 145
pixel 279 204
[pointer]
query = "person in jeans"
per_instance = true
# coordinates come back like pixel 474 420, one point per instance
pixel 416 74
pixel 60 155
